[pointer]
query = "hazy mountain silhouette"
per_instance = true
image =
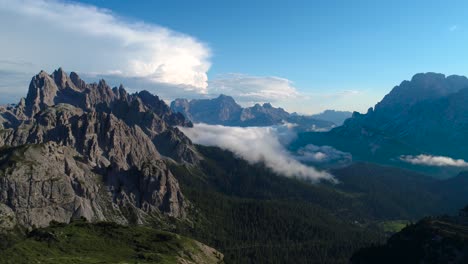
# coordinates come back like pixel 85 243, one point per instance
pixel 224 110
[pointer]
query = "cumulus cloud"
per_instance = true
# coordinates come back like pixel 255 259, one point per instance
pixel 439 161
pixel 247 88
pixel 86 39
pixel 97 43
pixel 257 144
pixel 323 154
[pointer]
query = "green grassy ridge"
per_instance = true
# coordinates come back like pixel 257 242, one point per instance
pixel 393 226
pixel 81 242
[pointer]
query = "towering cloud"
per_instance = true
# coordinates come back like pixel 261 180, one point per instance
pixel 52 33
pixel 257 144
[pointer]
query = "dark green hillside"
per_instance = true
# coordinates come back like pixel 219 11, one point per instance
pixel 431 240
pixel 390 192
pixel 80 242
pixel 253 215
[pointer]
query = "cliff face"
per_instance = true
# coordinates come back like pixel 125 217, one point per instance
pixel 71 149
pixel 428 113
pixel 141 109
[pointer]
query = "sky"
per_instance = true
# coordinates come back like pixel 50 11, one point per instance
pixel 305 56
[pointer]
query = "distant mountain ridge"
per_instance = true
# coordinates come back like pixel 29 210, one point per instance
pixel 426 115
pixel 224 110
pixel 337 117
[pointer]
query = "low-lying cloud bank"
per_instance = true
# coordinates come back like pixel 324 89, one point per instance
pixel 257 144
pixel 439 161
pixel 323 154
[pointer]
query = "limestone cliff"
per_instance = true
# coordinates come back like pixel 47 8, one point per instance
pixel 71 149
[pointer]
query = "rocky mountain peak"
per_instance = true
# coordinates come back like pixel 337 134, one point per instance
pixel 428 77
pixel 267 105
pixel 108 152
pixel 227 100
pixel 427 114
pixel 42 73
pixel 224 110
pixel 225 97
pixel 41 93
pixel 60 78
pixel 77 81
pixel 209 111
pixel 423 86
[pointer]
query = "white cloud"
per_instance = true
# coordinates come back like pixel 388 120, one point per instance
pixel 322 154
pixel 86 39
pixel 247 88
pixel 96 43
pixel 453 28
pixel 429 160
pixel 257 144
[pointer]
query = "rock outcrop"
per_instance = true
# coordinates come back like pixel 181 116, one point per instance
pixel 71 149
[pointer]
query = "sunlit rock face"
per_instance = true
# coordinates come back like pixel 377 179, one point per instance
pixel 71 149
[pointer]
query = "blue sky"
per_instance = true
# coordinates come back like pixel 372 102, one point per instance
pixel 333 54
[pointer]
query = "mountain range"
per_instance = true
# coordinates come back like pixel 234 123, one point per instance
pixel 337 117
pixel 224 110
pixel 424 116
pixel 86 162
pixel 68 139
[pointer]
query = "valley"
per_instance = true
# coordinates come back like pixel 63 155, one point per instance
pixel 78 159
